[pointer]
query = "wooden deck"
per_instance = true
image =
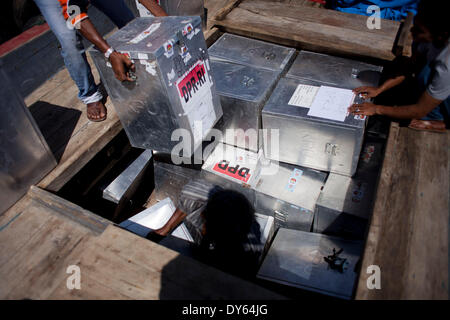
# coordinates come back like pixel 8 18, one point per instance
pixel 42 235
pixel 408 236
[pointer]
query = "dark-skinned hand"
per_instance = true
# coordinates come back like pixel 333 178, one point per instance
pixel 121 64
pixel 367 92
pixel 363 109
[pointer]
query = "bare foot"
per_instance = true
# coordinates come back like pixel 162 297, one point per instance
pixel 428 125
pixel 96 111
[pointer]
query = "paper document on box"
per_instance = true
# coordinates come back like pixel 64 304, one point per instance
pixel 303 96
pixel 331 103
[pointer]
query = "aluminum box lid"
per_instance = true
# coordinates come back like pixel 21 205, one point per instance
pixel 243 82
pixel 117 189
pixel 296 185
pixel 247 51
pixel 296 258
pixel 349 195
pixel 278 105
pixel 334 71
pixel 234 164
pixel 146 38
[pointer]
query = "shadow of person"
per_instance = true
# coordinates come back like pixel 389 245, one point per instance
pixel 56 124
pixel 230 242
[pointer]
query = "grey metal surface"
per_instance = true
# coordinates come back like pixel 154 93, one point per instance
pixel 290 195
pixel 170 180
pixel 128 179
pixel 334 71
pixel 296 259
pixel 243 90
pixel 345 204
pixel 173 88
pixel 308 141
pixel 251 52
pixel 25 157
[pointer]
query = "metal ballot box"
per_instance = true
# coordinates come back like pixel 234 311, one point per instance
pixel 290 195
pixel 174 88
pixel 334 71
pixel 309 141
pixel 251 52
pixel 170 180
pixel 345 204
pixel 25 157
pixel 234 164
pixel 243 91
pixel 306 260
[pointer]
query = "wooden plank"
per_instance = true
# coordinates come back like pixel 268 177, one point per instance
pixel 408 236
pixel 180 276
pixel 404 43
pixel 211 36
pixel 34 268
pixel 312 29
pixel 18 230
pixel 82 147
pixel 222 13
pixel 83 218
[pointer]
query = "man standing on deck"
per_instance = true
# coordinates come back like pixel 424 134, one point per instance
pixel 64 18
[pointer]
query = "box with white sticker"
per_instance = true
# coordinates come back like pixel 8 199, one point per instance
pixel 313 127
pixel 235 164
pixel 173 92
pixel 289 194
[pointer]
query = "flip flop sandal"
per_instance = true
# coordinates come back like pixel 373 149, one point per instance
pixel 427 125
pixel 99 119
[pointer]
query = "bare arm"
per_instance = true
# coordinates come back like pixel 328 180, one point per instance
pixel 153 7
pixel 419 110
pixel 120 63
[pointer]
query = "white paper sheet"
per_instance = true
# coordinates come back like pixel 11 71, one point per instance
pixel 303 96
pixel 331 103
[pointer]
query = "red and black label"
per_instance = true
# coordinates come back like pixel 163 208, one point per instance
pixel 192 82
pixel 237 172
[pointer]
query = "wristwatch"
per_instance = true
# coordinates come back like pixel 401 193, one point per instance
pixel 109 52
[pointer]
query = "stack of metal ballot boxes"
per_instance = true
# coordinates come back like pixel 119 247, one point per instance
pixel 174 86
pixel 308 108
pixel 311 171
pixel 246 71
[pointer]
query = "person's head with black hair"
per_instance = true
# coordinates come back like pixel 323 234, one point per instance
pixel 229 218
pixel 431 23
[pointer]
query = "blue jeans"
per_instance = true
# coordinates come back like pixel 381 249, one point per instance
pixel 73 51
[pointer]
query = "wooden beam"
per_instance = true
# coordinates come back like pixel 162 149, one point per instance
pixel 404 42
pixel 222 13
pixel 408 235
pixel 314 29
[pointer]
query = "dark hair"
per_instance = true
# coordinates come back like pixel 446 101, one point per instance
pixel 434 17
pixel 228 217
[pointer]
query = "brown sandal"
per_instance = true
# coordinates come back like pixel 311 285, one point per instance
pixel 97 105
pixel 428 125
